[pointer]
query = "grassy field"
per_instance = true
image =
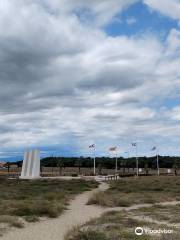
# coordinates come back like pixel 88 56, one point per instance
pixel 29 200
pixel 129 191
pixel 121 225
pixel 22 201
pixel 169 214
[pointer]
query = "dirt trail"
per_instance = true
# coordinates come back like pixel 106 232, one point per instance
pixel 143 205
pixel 78 213
pixel 151 220
pixel 55 229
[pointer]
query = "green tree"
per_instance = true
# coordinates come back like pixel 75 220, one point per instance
pixel 100 167
pixel 60 166
pixel 175 167
pixel 78 164
pixel 146 167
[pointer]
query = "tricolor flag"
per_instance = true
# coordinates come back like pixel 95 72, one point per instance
pixel 113 149
pixel 134 144
pixel 153 149
pixel 92 146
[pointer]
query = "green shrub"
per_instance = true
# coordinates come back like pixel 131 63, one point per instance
pixel 11 221
pixel 87 235
pixel 31 218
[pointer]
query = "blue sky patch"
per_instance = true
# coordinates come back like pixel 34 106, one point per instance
pixel 139 19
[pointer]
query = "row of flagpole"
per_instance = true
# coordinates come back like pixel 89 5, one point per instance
pixel 114 149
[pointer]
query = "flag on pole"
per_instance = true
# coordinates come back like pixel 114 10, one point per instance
pixel 153 149
pixel 92 146
pixel 112 149
pixel 134 144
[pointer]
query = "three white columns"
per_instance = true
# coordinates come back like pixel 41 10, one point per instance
pixel 31 164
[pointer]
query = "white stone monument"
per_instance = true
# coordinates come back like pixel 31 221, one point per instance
pixel 169 171
pixel 31 164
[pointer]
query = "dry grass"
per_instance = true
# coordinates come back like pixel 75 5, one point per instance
pixel 170 214
pixel 131 191
pixel 40 197
pixel 115 226
pixel 126 192
pixel 33 199
pixel 88 234
pixel 12 221
pixel 107 200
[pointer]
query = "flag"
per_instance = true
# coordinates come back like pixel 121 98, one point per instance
pixel 134 144
pixel 92 146
pixel 153 149
pixel 113 149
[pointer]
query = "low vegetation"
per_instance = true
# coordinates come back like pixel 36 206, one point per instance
pixel 169 214
pixel 9 221
pixel 129 191
pixel 29 200
pixel 118 226
pixel 88 234
pixel 121 225
pixel 12 221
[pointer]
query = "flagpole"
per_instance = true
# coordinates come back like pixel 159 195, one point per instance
pixel 116 164
pixel 94 162
pixel 114 149
pixel 158 162
pixel 137 163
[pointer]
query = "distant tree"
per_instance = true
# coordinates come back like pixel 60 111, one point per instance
pixel 41 169
pixel 175 167
pixel 8 167
pixel 108 163
pixel 146 167
pixel 79 165
pixel 133 163
pixel 100 167
pixel 124 166
pixel 60 165
pixel 52 166
pixel 127 164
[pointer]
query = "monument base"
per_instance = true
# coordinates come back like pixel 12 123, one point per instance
pixel 30 178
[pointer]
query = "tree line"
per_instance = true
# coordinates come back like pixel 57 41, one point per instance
pixel 108 163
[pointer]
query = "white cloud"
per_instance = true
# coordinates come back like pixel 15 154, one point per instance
pixel 175 113
pixel 98 12
pixel 131 20
pixel 64 79
pixel 170 8
pixel 174 42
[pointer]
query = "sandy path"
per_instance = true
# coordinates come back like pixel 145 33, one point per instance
pixel 151 220
pixel 143 205
pixel 78 213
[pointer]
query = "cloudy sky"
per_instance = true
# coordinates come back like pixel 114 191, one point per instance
pixel 73 73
